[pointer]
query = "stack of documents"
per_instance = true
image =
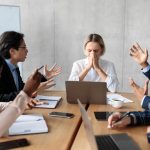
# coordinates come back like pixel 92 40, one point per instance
pixel 28 124
pixel 111 96
pixel 52 101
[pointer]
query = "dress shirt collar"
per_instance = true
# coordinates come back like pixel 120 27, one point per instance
pixel 11 66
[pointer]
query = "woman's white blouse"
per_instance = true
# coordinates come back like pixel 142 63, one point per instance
pixel 108 68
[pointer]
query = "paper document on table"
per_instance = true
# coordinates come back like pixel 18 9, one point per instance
pixel 28 124
pixel 111 96
pixel 51 101
pixel 31 117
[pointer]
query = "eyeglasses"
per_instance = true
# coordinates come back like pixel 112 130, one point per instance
pixel 24 47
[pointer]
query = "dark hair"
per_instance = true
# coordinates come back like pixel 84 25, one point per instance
pixel 95 38
pixel 1 61
pixel 8 40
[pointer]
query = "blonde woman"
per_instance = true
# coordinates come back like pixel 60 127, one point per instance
pixel 93 67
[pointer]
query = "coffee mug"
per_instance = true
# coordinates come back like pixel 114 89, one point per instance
pixel 117 103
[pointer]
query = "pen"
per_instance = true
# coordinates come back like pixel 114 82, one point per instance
pixel 123 116
pixel 40 67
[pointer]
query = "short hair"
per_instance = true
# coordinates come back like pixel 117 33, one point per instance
pixel 95 38
pixel 8 40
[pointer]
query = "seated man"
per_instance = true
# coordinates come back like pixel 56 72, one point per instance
pixel 13 49
pixel 10 113
pixel 141 56
pixel 135 118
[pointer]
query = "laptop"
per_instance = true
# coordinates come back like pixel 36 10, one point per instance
pixel 106 142
pixel 88 92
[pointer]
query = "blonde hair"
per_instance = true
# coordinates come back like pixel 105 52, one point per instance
pixel 95 38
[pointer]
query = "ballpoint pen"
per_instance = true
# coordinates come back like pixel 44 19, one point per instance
pixel 123 116
pixel 40 67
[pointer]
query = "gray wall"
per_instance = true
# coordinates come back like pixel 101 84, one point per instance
pixel 55 31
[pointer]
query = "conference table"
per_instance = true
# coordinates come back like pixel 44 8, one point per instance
pixel 66 134
pixel 62 131
pixel 138 134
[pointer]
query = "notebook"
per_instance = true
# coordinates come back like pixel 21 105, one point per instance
pixel 88 92
pixel 28 124
pixel 52 101
pixel 106 142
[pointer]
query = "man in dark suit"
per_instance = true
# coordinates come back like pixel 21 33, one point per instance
pixel 13 49
pixel 141 56
pixel 135 118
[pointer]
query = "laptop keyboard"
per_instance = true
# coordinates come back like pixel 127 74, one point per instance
pixel 105 142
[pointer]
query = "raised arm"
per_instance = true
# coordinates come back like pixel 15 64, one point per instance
pixel 139 55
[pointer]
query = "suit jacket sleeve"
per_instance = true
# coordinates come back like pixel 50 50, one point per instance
pixel 8 96
pixel 141 118
pixel 8 90
pixel 147 72
pixel 146 103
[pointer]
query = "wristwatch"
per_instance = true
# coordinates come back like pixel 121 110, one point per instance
pixel 148 137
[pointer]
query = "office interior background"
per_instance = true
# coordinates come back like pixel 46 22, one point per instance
pixel 55 31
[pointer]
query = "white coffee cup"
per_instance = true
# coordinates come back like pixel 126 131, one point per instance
pixel 117 103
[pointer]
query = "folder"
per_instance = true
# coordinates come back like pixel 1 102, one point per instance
pixel 52 101
pixel 28 124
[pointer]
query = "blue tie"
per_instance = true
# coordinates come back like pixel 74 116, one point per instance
pixel 19 78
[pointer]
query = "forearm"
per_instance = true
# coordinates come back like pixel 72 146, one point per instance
pixel 144 64
pixel 7 117
pixel 83 74
pixel 10 114
pixel 101 74
pixel 4 105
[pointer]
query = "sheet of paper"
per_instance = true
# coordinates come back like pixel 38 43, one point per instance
pixel 29 127
pixel 28 124
pixel 49 98
pixel 51 101
pixel 32 117
pixel 111 96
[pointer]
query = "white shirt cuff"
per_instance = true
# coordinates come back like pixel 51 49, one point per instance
pixel 146 69
pixel 143 100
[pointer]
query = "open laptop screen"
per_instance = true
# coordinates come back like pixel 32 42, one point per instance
pixel 119 141
pixel 88 92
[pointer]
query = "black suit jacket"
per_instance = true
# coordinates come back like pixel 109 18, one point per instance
pixel 8 90
pixel 147 74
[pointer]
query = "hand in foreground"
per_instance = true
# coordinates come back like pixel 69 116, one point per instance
pixel 53 72
pixel 138 91
pixel 32 83
pixel 148 129
pixel 34 102
pixel 139 55
pixel 46 85
pixel 113 122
